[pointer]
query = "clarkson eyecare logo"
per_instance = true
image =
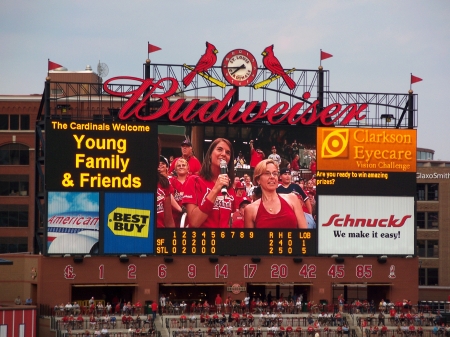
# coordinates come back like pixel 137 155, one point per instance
pixel 373 150
pixel 335 143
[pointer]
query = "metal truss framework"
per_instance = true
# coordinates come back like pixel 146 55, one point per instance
pixel 385 110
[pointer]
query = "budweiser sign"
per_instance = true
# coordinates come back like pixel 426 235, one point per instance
pixel 223 110
pixel 347 221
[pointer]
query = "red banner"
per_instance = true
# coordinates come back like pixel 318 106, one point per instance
pixel 152 48
pixel 53 65
pixel 415 79
pixel 324 55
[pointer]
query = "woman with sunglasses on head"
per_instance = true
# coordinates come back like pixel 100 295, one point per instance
pixel 209 197
pixel 273 210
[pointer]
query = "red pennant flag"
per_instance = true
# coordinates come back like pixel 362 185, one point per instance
pixel 53 65
pixel 324 55
pixel 415 79
pixel 152 48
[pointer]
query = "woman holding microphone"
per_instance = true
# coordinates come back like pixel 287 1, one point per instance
pixel 209 197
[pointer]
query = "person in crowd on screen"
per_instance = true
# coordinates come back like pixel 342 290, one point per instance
pixel 313 166
pixel 275 156
pixel 209 197
pixel 240 195
pixel 286 187
pixel 164 216
pixel 256 155
pixel 178 182
pixel 273 210
pixel 163 166
pixel 310 190
pixel 239 161
pixel 238 216
pixel 248 185
pixel 188 154
pixel 295 165
pixel 256 193
pixel 236 181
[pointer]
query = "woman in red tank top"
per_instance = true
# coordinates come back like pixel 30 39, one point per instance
pixel 273 210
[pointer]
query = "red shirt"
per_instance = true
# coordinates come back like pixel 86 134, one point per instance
pixel 294 165
pixel 195 192
pixel 238 200
pixel 177 191
pixel 160 197
pixel 237 220
pixel 285 218
pixel 154 306
pixel 255 157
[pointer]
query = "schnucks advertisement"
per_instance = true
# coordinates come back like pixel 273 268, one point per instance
pixel 366 225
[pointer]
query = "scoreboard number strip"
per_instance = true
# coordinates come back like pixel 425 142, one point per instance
pixel 277 271
pixel 235 242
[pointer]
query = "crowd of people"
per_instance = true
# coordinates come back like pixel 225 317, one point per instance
pixel 209 194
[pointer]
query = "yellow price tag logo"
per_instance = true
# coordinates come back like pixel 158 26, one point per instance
pixel 129 222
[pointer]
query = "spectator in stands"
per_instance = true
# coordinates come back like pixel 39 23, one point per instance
pixel 28 301
pixel 92 321
pixel 256 155
pixel 241 194
pixel 218 302
pixel 248 185
pixel 380 318
pixel 154 309
pixel 80 321
pixel 18 301
pixel 345 329
pixel 341 301
pixel 177 182
pixel 188 154
pixel 275 156
pixel 239 161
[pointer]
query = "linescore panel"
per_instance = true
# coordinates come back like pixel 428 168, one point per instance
pixel 235 242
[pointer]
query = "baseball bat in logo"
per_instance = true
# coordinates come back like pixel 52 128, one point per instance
pixel 335 143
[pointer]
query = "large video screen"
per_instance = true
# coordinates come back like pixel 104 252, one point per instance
pixel 228 189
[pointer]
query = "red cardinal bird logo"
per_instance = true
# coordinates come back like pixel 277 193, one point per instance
pixel 272 63
pixel 207 60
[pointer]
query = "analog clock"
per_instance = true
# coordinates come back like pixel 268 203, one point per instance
pixel 239 67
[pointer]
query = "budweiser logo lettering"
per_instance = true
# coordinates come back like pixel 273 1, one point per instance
pixel 224 110
pixel 347 221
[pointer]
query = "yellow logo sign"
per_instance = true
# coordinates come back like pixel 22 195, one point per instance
pixel 334 143
pixel 129 222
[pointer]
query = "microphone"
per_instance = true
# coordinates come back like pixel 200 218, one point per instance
pixel 223 170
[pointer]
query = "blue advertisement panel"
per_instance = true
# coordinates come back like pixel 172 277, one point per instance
pixel 73 222
pixel 128 222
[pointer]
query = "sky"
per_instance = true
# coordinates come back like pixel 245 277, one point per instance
pixel 376 44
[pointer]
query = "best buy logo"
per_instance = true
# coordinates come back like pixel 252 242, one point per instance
pixel 129 222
